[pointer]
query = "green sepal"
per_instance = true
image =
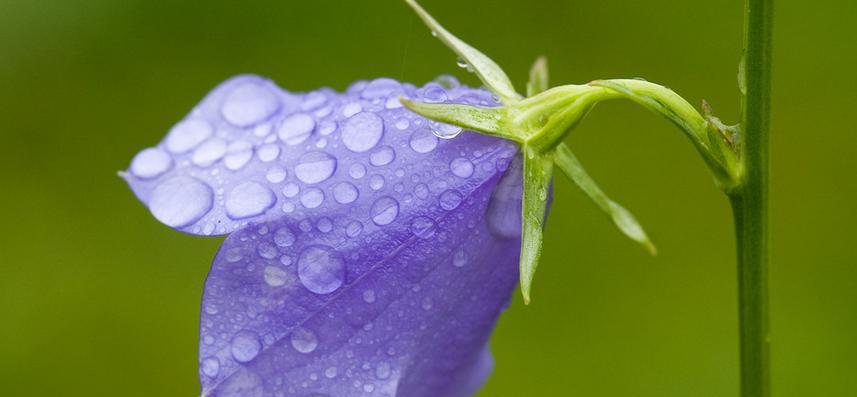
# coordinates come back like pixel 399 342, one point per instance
pixel 624 220
pixel 539 77
pixel 538 168
pixel 494 78
pixel 489 121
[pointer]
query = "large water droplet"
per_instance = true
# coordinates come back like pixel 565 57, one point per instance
pixel 238 154
pixel 385 210
pixel 434 93
pixel 321 269
pixel 249 199
pixel 315 167
pixel 345 193
pixel 248 104
pixel 423 227
pixel 380 88
pixel 296 128
pixel 362 131
pixel 275 276
pixel 382 156
pixel 151 163
pixel 312 198
pixel 444 131
pixel 245 346
pixel 450 200
pixel 187 134
pixel 461 167
pixel 181 201
pixel 423 141
pixel 210 366
pixel 304 340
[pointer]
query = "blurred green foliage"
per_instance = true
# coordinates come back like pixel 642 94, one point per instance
pixel 98 299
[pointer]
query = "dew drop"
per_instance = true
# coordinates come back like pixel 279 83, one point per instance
pixel 362 131
pixel 268 152
pixel 382 156
pixel 291 190
pixel 434 93
pixel 393 102
pixel 266 250
pixel 312 198
pixel 385 210
pixel 444 131
pixel 421 191
pixel 181 201
pixel 461 167
pixel 242 383
pixel 357 171
pixel 245 346
pixel 369 296
pixel 423 141
pixel 315 167
pixel 249 104
pixel 459 259
pixel 210 367
pixel 187 135
pixel 249 199
pixel 275 277
pixel 383 370
pixel 380 88
pixel 351 109
pixel 324 225
pixel 345 193
pixel 238 154
pixel 450 200
pixel 284 237
pixel 376 182
pixel 276 174
pixel 403 124
pixel 209 152
pixel 423 227
pixel 353 229
pixel 150 163
pixel 304 340
pixel 296 128
pixel 321 269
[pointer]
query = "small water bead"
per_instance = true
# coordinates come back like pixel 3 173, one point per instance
pixel 326 128
pixel 421 191
pixel 249 199
pixel 296 128
pixel 276 174
pixel 315 167
pixel 357 171
pixel 383 370
pixel 275 277
pixel 362 132
pixel 267 250
pixel 150 163
pixel 384 210
pixel 242 383
pixel 380 88
pixel 187 135
pixel 376 182
pixel 345 193
pixel 434 93
pixel 286 260
pixel 291 190
pixel 369 296
pixel 426 303
pixel 238 154
pixel 324 225
pixel 284 237
pixel 268 152
pixel 262 130
pixel 288 208
pixel 181 201
pixel 209 152
pixel 313 101
pixel 445 131
pixel 382 156
pixel 450 200
pixel 423 227
pixel 304 340
pixel 403 124
pixel 321 269
pixel 368 388
pixel 245 346
pixel 393 102
pixel 353 229
pixel 423 141
pixel 351 109
pixel 461 167
pixel 321 143
pixel 210 367
pixel 249 104
pixel 312 198
pixel 448 82
pixel 459 259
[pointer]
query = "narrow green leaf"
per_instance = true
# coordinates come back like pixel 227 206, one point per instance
pixel 488 71
pixel 538 77
pixel 624 220
pixel 489 121
pixel 537 177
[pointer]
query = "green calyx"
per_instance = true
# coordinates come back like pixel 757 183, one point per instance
pixel 540 122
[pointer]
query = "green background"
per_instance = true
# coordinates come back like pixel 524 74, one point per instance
pixel 98 299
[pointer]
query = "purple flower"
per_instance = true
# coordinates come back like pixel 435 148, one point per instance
pixel 365 256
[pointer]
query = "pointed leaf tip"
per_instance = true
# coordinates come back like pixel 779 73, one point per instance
pixel 539 77
pixel 538 169
pixel 494 78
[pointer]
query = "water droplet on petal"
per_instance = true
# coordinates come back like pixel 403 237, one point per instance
pixel 376 182
pixel 434 93
pixel 369 296
pixel 357 171
pixel 383 370
pixel 461 167
pixel 151 163
pixel 268 152
pixel 245 346
pixel 380 88
pixel 385 210
pixel 181 201
pixel 315 167
pixel 362 131
pixel 275 277
pixel 321 269
pixel 249 104
pixel 187 135
pixel 241 384
pixel 210 367
pixel 351 109
pixel 445 131
pixel 266 250
pixel 330 372
pixel 291 190
pixel 345 193
pixel 423 227
pixel 423 141
pixel 238 154
pixel 353 229
pixel 209 152
pixel 312 198
pixel 296 128
pixel 249 199
pixel 276 174
pixel 284 237
pixel 459 259
pixel 450 200
pixel 304 340
pixel 382 156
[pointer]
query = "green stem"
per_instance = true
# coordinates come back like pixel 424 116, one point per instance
pixel 750 202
